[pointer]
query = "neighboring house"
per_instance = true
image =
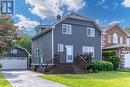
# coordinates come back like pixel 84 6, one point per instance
pixel 115 38
pixel 68 37
pixel 15 58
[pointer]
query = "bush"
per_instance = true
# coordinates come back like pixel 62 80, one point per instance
pixel 111 57
pixel 115 61
pixel 101 66
pixel 0 65
pixel 107 54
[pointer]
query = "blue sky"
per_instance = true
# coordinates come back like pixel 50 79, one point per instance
pixel 30 13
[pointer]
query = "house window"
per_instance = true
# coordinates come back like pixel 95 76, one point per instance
pixel 87 49
pixel 115 38
pixel 121 40
pixel 90 32
pixel 66 29
pixel 60 47
pixel 109 38
pixel 13 51
pixel 36 52
pixel 128 41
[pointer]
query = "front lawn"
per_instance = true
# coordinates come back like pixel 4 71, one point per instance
pixel 4 82
pixel 101 79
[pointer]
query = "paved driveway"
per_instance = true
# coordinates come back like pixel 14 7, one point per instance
pixel 28 79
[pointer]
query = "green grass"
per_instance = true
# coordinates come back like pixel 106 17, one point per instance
pixel 101 79
pixel 4 82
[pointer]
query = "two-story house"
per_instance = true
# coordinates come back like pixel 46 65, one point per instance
pixel 115 38
pixel 69 36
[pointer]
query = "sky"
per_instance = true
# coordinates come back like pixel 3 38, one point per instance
pixel 30 13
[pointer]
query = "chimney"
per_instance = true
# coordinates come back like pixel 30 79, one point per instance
pixel 58 17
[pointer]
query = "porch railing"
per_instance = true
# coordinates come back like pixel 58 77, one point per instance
pixel 54 61
pixel 84 61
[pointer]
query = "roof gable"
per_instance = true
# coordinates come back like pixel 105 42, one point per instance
pixel 71 15
pixel 78 17
pixel 113 26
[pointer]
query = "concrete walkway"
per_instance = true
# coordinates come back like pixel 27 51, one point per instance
pixel 28 79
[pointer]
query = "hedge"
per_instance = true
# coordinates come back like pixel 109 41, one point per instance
pixel 101 66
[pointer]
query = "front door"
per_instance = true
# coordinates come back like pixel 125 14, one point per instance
pixel 69 53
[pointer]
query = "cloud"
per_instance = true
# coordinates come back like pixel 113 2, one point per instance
pixel 101 21
pixel 105 6
pixel 116 21
pixel 126 3
pixel 51 8
pixel 100 2
pixel 25 22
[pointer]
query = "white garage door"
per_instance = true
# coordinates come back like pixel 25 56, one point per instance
pixel 127 60
pixel 14 64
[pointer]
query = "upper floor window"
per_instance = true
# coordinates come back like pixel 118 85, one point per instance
pixel 60 47
pixel 66 29
pixel 121 40
pixel 128 41
pixel 13 51
pixel 87 49
pixel 109 38
pixel 115 38
pixel 90 32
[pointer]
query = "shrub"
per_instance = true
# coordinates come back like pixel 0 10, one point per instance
pixel 101 66
pixel 0 65
pixel 107 54
pixel 111 57
pixel 115 61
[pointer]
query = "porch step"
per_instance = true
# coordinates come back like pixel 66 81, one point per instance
pixel 66 69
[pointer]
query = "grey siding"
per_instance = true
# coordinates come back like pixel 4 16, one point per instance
pixel 78 38
pixel 43 43
pixel 20 53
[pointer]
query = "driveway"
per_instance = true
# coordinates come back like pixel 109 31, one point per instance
pixel 23 78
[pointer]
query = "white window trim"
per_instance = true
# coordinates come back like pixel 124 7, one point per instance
pixel 13 51
pixel 89 49
pixel 127 41
pixel 109 38
pixel 70 31
pixel 60 47
pixel 115 38
pixel 92 32
pixel 121 40
pixel 36 53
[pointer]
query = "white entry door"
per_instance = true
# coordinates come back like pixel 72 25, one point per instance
pixel 69 53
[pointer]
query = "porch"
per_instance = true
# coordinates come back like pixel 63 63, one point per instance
pixel 79 65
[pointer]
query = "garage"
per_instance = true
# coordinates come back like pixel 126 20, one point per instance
pixel 13 64
pixel 16 58
pixel 127 61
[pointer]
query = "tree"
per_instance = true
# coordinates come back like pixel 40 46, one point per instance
pixel 24 42
pixel 127 30
pixel 8 33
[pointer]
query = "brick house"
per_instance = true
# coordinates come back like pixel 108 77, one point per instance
pixel 115 38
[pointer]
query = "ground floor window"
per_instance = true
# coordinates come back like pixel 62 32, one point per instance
pixel 88 49
pixel 60 47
